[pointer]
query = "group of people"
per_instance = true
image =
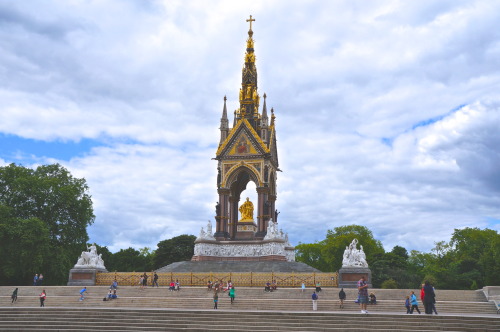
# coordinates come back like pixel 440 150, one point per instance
pixel 428 298
pixel 218 286
pixel 270 287
pixel 38 280
pixel 174 286
pixel 143 280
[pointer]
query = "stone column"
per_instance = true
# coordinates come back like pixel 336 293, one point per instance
pixel 232 221
pixel 221 227
pixel 261 216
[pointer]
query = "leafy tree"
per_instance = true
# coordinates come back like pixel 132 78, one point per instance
pixel 129 260
pixel 179 248
pixel 310 254
pixel 23 247
pixel 51 195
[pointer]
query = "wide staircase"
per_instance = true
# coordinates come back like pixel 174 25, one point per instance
pixel 191 308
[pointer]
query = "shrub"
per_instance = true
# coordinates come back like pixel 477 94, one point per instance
pixel 389 284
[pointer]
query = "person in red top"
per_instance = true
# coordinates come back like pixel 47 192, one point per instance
pixel 422 294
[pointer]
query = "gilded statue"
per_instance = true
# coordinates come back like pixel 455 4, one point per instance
pixel 246 210
pixel 254 97
pixel 241 94
pixel 249 91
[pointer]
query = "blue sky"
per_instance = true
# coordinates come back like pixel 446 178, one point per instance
pixel 387 111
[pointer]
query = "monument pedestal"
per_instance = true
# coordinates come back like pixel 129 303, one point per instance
pixel 349 276
pixel 83 276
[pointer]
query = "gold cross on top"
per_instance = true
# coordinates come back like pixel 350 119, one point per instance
pixel 251 20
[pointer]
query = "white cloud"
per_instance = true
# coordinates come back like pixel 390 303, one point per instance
pixel 364 92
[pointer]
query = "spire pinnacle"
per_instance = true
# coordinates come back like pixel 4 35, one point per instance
pixel 250 20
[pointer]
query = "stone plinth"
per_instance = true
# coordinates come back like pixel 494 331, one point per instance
pixel 349 276
pixel 83 276
pixel 275 249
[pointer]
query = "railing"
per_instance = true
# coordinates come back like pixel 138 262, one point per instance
pixel 243 279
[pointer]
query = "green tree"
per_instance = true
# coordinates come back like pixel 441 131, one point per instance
pixel 310 254
pixel 129 260
pixel 61 202
pixel 176 249
pixel 23 247
pixel 476 256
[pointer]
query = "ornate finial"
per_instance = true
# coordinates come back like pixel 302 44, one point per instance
pixel 265 95
pixel 225 98
pixel 272 117
pixel 251 20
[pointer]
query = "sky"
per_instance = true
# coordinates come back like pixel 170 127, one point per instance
pixel 387 112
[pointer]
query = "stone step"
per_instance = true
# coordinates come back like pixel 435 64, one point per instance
pixel 254 292
pixel 240 304
pixel 157 320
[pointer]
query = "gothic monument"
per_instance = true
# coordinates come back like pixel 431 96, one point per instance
pixel 245 230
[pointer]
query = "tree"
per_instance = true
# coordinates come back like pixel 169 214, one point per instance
pixel 176 249
pixel 23 247
pixel 310 254
pixel 129 260
pixel 51 195
pixel 476 256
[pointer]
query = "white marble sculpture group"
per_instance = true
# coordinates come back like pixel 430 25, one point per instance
pixel 90 259
pixel 354 257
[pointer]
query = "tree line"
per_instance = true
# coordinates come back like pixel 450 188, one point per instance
pixel 470 260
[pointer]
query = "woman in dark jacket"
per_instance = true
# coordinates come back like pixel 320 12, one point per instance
pixel 428 297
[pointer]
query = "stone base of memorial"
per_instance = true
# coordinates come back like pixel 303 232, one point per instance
pixel 84 276
pixel 266 250
pixel 349 276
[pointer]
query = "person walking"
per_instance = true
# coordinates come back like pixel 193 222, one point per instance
pixel 342 297
pixel 155 280
pixel 414 303
pixel 35 280
pixel 429 298
pixel 303 287
pixel 14 295
pixel 363 294
pixel 40 279
pixel 216 299
pixel 43 296
pixel 82 292
pixel 232 294
pixel 407 304
pixel 315 300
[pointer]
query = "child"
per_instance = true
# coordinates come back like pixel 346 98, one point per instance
pixel 43 296
pixel 342 297
pixel 414 303
pixel 232 294
pixel 84 289
pixel 407 304
pixel 216 299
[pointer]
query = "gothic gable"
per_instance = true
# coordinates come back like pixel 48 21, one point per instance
pixel 242 141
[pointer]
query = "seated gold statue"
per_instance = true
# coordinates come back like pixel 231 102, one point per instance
pixel 246 210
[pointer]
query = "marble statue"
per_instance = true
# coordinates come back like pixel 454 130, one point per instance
pixel 354 257
pixel 246 210
pixel 90 259
pixel 206 235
